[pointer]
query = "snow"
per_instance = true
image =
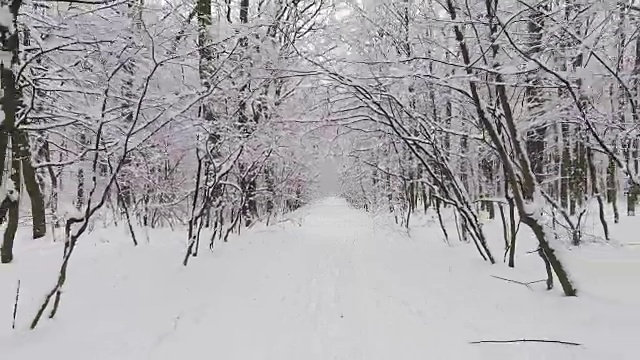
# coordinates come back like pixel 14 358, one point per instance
pixel 6 18
pixel 330 283
pixel 6 21
pixel 9 190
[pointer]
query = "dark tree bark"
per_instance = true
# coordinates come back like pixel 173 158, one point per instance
pixel 20 153
pixel 521 178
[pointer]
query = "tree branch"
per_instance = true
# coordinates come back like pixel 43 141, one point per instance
pixel 525 340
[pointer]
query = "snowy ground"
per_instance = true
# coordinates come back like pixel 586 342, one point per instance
pixel 340 286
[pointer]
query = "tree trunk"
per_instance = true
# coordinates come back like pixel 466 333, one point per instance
pixel 10 100
pixel 517 166
pixel 32 185
pixel 6 252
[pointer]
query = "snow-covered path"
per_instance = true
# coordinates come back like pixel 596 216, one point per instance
pixel 340 286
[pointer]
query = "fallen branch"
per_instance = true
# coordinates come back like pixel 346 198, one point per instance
pixel 295 221
pixel 15 306
pixel 524 340
pixel 527 284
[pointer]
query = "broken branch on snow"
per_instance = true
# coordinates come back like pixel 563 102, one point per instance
pixel 525 340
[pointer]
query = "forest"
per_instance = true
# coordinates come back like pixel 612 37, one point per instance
pixel 212 117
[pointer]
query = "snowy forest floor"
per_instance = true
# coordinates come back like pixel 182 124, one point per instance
pixel 335 284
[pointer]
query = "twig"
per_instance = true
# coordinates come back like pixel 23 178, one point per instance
pixel 295 221
pixel 527 284
pixel 525 340
pixel 15 307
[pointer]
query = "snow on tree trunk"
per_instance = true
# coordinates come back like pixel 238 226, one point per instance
pixel 19 151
